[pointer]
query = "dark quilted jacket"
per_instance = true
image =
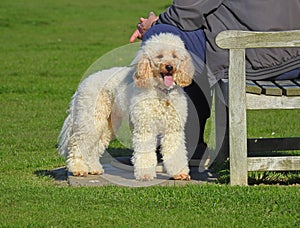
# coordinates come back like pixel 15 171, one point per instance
pixel 214 16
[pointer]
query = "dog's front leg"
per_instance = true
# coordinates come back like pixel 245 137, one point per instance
pixel 175 155
pixel 144 156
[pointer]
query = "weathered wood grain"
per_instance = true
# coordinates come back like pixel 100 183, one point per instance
pixel 237 42
pixel 269 88
pixel 245 39
pixel 289 87
pixel 288 163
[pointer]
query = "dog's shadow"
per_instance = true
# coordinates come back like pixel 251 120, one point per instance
pixel 118 154
pixel 58 174
pixel 61 173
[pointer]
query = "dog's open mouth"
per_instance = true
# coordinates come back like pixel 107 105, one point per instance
pixel 168 79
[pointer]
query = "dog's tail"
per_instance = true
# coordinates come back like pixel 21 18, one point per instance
pixel 66 131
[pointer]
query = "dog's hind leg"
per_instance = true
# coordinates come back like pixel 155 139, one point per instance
pixel 76 160
pixel 175 155
pixel 84 153
pixel 99 148
pixel 103 132
pixel 70 142
pixel 94 165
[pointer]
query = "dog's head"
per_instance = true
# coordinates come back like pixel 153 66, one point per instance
pixel 164 62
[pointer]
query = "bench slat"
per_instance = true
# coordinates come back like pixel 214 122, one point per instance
pixel 269 88
pixel 297 81
pixel 289 87
pixel 251 87
pixel 288 163
pixel 262 101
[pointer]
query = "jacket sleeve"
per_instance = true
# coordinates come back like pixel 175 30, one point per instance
pixel 188 15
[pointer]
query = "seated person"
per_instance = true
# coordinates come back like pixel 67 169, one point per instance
pixel 198 22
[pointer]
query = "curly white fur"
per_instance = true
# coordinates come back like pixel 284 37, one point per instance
pixel 151 92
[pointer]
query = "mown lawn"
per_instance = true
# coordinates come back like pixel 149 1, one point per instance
pixel 46 47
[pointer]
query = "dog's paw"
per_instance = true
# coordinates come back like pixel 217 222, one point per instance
pixel 145 174
pixel 145 177
pixel 95 168
pixel 78 168
pixel 182 176
pixel 96 172
pixel 80 173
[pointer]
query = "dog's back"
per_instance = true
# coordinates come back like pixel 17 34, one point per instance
pixel 85 98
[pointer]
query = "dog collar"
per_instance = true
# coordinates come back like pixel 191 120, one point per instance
pixel 166 91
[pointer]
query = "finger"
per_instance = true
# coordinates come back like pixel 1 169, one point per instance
pixel 152 15
pixel 134 36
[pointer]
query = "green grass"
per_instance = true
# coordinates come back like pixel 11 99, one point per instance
pixel 191 206
pixel 46 47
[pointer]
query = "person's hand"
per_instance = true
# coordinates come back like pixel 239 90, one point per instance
pixel 137 34
pixel 143 26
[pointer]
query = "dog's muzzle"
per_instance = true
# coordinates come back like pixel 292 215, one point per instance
pixel 168 76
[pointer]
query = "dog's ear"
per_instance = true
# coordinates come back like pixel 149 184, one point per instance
pixel 186 72
pixel 143 73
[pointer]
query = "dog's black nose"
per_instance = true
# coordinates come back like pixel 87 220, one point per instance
pixel 169 68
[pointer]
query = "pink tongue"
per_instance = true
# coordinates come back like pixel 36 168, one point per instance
pixel 168 80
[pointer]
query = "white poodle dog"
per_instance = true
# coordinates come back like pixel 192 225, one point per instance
pixel 150 91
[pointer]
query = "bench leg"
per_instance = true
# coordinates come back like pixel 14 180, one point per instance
pixel 237 119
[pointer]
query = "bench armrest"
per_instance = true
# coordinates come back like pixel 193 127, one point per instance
pixel 233 39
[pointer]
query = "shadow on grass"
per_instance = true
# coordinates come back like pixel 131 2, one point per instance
pixel 58 174
pixel 61 173
pixel 260 177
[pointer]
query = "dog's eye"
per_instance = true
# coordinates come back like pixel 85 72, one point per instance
pixel 174 56
pixel 160 56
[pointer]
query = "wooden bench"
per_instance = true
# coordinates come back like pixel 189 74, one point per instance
pixel 260 95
